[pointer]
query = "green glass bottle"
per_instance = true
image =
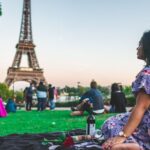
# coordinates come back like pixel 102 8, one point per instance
pixel 90 127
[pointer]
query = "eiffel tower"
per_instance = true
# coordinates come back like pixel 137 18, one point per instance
pixel 25 46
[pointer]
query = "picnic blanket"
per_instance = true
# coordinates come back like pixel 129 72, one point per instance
pixel 34 142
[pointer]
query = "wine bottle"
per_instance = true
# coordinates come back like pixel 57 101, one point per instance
pixel 90 127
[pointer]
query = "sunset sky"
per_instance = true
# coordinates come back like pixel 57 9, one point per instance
pixel 79 40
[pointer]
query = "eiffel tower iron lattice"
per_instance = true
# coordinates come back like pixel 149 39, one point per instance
pixel 25 46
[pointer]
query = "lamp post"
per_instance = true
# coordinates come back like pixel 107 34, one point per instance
pixel 78 89
pixel 78 84
pixel 13 89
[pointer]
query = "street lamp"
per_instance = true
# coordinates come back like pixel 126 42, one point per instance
pixel 13 89
pixel 78 89
pixel 78 83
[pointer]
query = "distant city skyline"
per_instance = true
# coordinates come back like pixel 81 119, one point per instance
pixel 77 41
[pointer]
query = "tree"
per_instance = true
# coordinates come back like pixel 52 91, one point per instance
pixel 5 93
pixel 128 91
pixel 19 96
pixel 81 90
pixel 0 9
pixel 105 91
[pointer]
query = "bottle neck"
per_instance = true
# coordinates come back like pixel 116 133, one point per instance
pixel 90 111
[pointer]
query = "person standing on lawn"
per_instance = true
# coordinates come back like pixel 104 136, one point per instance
pixel 42 96
pixel 92 99
pixel 131 130
pixel 29 94
pixel 51 97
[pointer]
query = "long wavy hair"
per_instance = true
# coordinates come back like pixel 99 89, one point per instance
pixel 145 41
pixel 114 87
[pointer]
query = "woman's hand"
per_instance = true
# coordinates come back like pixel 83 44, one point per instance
pixel 113 141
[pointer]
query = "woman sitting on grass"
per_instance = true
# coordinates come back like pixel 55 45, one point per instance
pixel 3 112
pixel 117 101
pixel 11 106
pixel 131 130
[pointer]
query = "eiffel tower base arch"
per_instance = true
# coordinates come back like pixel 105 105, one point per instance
pixel 18 74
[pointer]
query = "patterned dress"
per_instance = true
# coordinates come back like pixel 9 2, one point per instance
pixel 115 124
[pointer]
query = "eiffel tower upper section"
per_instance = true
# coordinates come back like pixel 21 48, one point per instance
pixel 25 46
pixel 26 26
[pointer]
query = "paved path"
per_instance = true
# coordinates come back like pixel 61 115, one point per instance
pixel 65 108
pixel 68 108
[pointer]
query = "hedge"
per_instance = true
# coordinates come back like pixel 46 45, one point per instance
pixel 67 104
pixel 130 102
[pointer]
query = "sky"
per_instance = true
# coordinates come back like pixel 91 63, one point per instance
pixel 78 40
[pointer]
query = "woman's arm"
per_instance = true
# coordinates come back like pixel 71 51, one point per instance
pixel 142 104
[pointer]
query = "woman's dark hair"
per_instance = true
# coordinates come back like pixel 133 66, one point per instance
pixel 145 41
pixel 115 87
pixel 50 85
pixel 93 84
pixel 41 83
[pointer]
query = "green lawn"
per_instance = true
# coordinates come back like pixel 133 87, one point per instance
pixel 46 121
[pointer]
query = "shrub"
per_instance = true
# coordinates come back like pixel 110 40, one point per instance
pixel 19 96
pixel 131 101
pixel 5 93
pixel 67 104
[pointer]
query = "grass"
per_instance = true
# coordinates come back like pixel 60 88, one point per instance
pixel 43 122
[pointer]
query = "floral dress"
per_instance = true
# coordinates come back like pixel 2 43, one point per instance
pixel 115 124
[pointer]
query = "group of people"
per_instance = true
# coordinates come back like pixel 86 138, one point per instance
pixel 40 93
pixel 9 107
pixel 92 101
